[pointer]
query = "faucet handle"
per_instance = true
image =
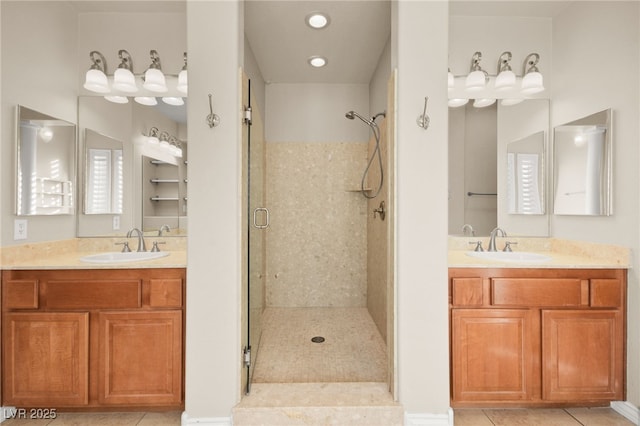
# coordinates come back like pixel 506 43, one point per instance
pixel 507 245
pixel 478 245
pixel 155 247
pixel 125 247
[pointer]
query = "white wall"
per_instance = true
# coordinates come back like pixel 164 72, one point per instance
pixel 422 317
pixel 38 71
pixel 213 359
pixel 307 112
pixel 379 80
pixel 607 34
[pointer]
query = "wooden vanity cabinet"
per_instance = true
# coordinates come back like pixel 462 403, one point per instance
pixel 537 337
pixel 89 339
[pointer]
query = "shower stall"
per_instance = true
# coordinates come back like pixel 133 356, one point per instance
pixel 319 295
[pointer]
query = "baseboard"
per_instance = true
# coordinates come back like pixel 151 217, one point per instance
pixel 205 421
pixel 626 409
pixel 426 419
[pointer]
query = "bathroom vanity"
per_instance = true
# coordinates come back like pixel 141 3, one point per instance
pixel 537 336
pixel 87 339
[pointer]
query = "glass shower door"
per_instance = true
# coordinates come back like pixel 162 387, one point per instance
pixel 257 221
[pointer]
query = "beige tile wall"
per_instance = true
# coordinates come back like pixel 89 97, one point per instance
pixel 317 239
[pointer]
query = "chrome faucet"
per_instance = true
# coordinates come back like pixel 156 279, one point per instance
pixel 141 244
pixel 163 228
pixel 492 238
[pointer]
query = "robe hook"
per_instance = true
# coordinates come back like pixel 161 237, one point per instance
pixel 212 119
pixel 424 120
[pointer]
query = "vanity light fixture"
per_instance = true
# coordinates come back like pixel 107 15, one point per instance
pixel 531 77
pixel 477 78
pixel 508 87
pixel 152 138
pixel 317 61
pixel 123 78
pixel 317 20
pixel 506 78
pixel 45 134
pixel 153 77
pixel 125 82
pixel 183 83
pixel 96 77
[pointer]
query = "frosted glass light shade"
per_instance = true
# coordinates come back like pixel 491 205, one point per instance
pixel 450 80
pixel 532 83
pixel 153 140
pixel 183 82
pixel 146 100
pixel 96 81
pixel 511 101
pixel 124 81
pixel 154 80
pixel 117 99
pixel 481 103
pixel 476 80
pixel 172 100
pixel 455 103
pixel 505 80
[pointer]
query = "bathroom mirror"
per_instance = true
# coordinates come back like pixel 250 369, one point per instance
pixel 479 140
pixel 163 194
pixel 45 164
pixel 104 174
pixel 525 175
pixel 582 166
pixel 125 127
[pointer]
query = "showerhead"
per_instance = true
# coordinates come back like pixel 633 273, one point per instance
pixel 352 114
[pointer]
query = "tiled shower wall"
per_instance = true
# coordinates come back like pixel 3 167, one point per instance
pixel 317 238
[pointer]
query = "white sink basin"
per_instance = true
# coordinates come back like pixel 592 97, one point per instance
pixel 510 256
pixel 118 257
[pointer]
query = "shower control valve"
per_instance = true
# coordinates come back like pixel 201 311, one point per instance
pixel 381 210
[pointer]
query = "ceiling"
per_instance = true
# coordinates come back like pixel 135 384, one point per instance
pixel 352 42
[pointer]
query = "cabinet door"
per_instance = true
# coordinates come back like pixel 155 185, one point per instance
pixel 140 359
pixel 493 355
pixel 582 355
pixel 45 359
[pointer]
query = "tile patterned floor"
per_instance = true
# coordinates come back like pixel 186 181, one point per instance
pixel 353 349
pixel 540 417
pixel 171 418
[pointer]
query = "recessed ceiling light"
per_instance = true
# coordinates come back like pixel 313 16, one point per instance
pixel 317 61
pixel 317 20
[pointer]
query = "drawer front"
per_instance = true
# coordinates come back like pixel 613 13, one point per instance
pixel 20 294
pixel 539 292
pixel 466 291
pixel 165 293
pixel 606 293
pixel 98 294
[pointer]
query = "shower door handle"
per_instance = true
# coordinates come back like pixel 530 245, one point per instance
pixel 265 224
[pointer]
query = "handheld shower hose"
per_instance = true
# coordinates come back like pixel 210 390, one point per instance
pixel 376 152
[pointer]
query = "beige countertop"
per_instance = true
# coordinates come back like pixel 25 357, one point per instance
pixel 562 254
pixel 66 254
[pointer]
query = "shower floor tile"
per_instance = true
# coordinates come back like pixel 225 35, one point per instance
pixel 353 350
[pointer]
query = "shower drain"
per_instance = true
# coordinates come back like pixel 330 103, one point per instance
pixel 317 339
